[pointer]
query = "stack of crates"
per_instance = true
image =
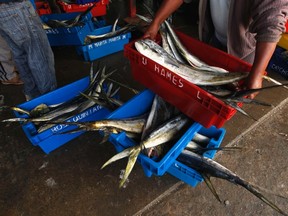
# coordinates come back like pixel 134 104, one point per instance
pixel 71 36
pixel 140 105
pixel 93 23
pixel 208 112
pixel 279 60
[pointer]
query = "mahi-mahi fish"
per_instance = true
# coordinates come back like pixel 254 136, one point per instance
pixel 162 134
pixel 155 52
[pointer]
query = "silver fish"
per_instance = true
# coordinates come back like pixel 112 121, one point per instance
pixel 199 149
pixel 91 38
pixel 162 134
pixel 193 60
pixel 152 50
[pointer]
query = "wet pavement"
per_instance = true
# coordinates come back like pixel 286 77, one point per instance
pixel 70 181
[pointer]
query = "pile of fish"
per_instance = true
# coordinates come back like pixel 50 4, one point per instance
pixel 156 131
pixel 98 92
pixel 219 82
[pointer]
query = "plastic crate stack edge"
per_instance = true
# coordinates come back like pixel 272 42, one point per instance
pixel 140 104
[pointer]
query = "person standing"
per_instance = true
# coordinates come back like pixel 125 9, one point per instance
pixel 246 29
pixel 8 71
pixel 22 29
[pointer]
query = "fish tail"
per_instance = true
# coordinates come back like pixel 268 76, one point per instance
pixel 125 153
pixel 131 162
pixel 253 189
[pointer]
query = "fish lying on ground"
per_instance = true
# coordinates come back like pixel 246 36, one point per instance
pixel 209 168
pixel 152 50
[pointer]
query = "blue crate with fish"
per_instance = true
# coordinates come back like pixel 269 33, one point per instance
pixel 103 47
pixel 69 36
pixel 54 136
pixel 189 175
pixel 141 104
pixel 279 62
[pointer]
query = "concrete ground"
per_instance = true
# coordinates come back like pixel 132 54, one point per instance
pixel 70 181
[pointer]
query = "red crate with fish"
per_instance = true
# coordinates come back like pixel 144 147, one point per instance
pixel 98 10
pixel 192 100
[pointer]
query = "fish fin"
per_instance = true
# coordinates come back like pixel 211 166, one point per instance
pixel 240 110
pixel 218 149
pixel 131 162
pixel 123 85
pixel 250 101
pixel 209 184
pixel 106 135
pixel 246 92
pixel 120 155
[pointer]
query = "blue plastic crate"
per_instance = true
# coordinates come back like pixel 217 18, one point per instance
pixel 279 61
pixel 141 104
pixel 70 36
pixel 51 138
pixel 189 175
pixel 104 47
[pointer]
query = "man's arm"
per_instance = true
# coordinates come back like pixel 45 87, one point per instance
pixel 166 9
pixel 263 54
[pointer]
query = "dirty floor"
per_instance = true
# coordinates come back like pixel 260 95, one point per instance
pixel 70 181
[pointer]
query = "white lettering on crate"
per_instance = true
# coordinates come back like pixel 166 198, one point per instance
pixel 168 76
pixel 144 61
pixel 104 42
pixel 279 68
pixel 52 31
pixel 76 118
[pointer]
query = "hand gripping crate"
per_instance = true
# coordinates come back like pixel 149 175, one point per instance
pixel 98 10
pixel 63 36
pixel 141 104
pixel 103 47
pixel 50 139
pixel 192 100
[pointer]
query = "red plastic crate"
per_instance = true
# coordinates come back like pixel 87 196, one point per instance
pixel 98 10
pixel 43 8
pixel 196 103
